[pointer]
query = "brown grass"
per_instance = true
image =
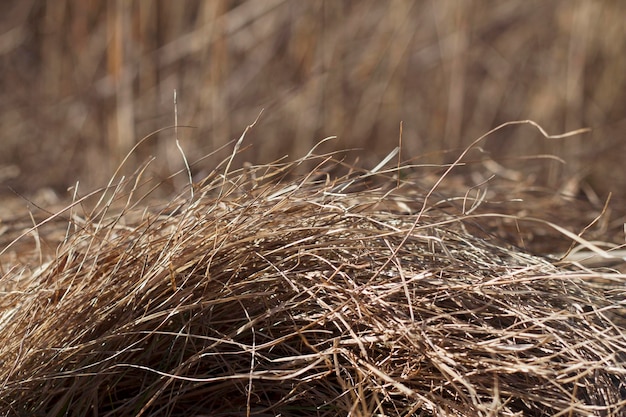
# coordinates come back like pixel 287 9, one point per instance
pixel 258 292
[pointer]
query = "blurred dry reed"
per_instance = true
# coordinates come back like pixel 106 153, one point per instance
pixel 83 81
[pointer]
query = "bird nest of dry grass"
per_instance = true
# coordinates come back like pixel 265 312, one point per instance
pixel 258 293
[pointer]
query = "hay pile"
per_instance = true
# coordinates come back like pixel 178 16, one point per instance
pixel 355 294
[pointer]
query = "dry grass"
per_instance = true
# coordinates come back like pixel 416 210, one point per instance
pixel 342 292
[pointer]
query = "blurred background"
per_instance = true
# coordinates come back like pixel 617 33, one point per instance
pixel 84 80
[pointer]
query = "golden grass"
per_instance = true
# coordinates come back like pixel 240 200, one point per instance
pixel 341 292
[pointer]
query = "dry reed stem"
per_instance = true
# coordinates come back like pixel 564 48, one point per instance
pixel 317 296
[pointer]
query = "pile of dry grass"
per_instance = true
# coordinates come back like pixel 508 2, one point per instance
pixel 357 294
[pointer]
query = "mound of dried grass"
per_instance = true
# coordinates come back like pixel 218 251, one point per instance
pixel 357 294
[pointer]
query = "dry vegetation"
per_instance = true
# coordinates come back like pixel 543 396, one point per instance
pixel 450 280
pixel 82 81
pixel 260 293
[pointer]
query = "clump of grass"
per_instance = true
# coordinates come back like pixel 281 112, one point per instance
pixel 364 294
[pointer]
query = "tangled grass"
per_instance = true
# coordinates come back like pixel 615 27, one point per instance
pixel 367 293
